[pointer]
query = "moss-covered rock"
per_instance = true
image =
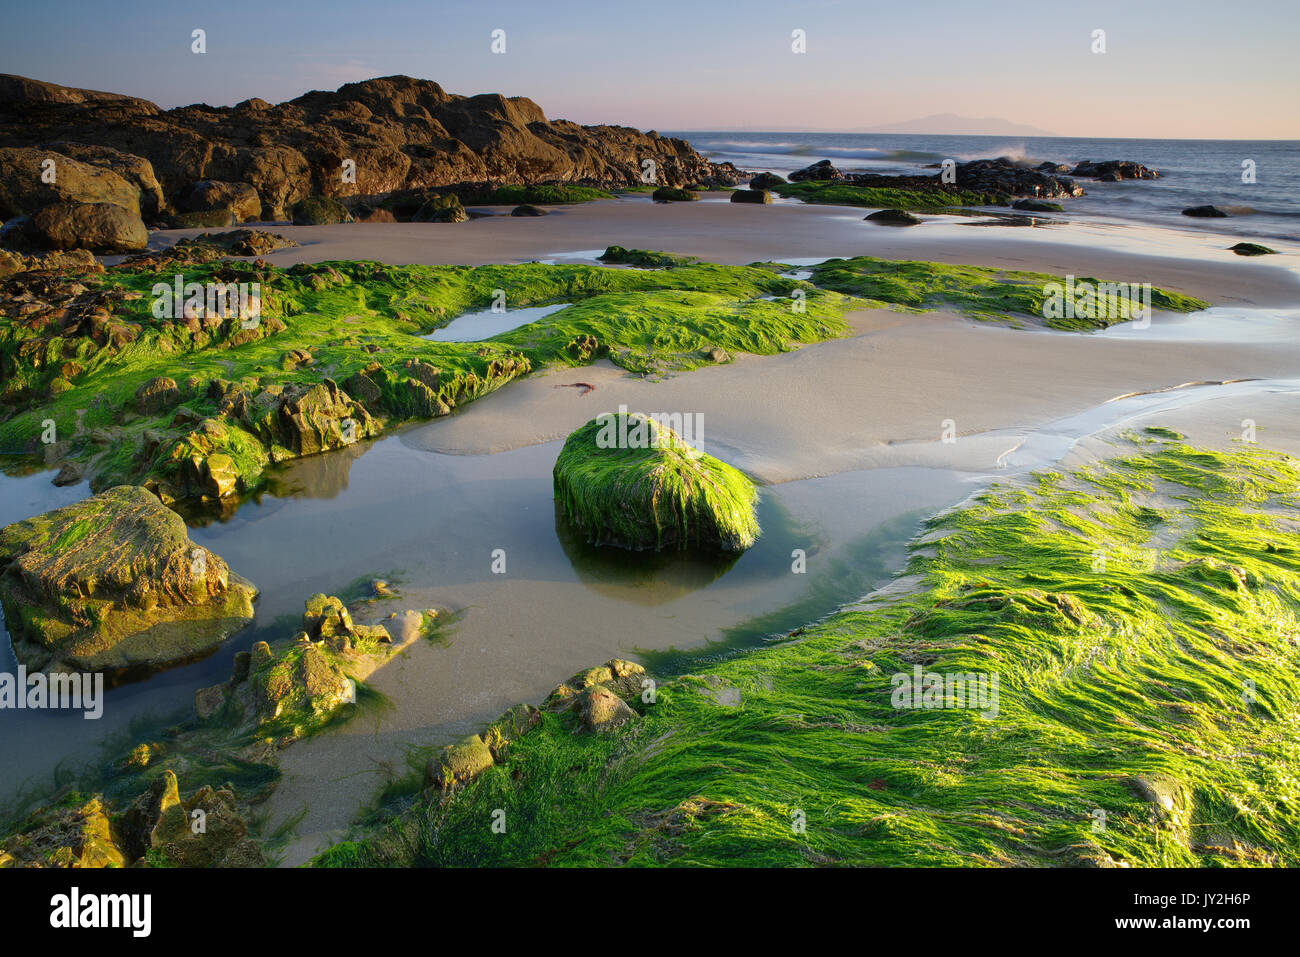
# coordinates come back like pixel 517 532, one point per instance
pixel 1252 249
pixel 629 480
pixel 319 211
pixel 114 582
pixel 441 209
pixel 751 195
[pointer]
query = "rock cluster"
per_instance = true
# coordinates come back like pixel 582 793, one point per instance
pixel 224 165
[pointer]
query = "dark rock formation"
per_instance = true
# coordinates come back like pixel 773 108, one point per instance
pixel 820 171
pixel 893 217
pixel 397 132
pixel 1205 212
pixel 527 210
pixel 1010 178
pixel 766 181
pixel 751 196
pixel 1252 249
pixel 1113 170
pixel 1037 206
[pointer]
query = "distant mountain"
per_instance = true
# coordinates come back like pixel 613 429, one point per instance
pixel 952 124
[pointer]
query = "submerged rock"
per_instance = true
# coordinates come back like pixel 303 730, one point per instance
pixel 114 582
pixel 628 480
pixel 527 210
pixel 1037 206
pixel 1211 212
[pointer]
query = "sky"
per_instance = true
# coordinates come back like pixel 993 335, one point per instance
pixel 1196 69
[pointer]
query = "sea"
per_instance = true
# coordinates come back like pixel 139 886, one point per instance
pixel 1257 182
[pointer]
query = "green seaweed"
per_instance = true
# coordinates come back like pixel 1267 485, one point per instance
pixel 1147 711
pixel 874 197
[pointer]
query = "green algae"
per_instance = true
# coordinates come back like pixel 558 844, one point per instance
pixel 934 200
pixel 629 480
pixel 1146 715
pixel 977 291
pixel 558 194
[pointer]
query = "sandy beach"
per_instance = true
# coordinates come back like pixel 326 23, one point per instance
pixel 865 411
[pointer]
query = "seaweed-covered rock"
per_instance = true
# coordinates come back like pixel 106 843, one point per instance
pixel 751 195
pixel 80 835
pixel 893 217
pixel 319 211
pixel 1252 249
pixel 160 392
pixel 114 582
pixel 458 763
pixel 629 480
pixel 441 209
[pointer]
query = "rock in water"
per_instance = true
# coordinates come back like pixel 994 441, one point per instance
pixel 1252 249
pixel 626 479
pixel 114 582
pixel 894 217
pixel 670 194
pixel 1211 212
pixel 751 196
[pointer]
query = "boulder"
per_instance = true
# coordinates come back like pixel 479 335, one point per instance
pixel 1210 212
pixel 114 582
pixel 1113 170
pixel 766 181
pixel 207 195
pixel 751 196
pixel 25 186
pixel 157 394
pixel 136 170
pixel 599 709
pixel 458 763
pixel 626 479
pixel 817 172
pixel 441 209
pixel 893 217
pixel 319 211
pixel 1252 249
pixel 99 227
pixel 527 210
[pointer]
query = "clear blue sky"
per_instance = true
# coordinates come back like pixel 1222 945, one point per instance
pixel 1192 68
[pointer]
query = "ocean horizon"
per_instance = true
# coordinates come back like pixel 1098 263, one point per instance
pixel 1192 172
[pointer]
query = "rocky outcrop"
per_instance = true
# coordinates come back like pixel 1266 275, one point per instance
pixel 1010 178
pixel 1112 171
pixel 114 583
pixel 818 172
pixel 366 139
pixel 239 199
